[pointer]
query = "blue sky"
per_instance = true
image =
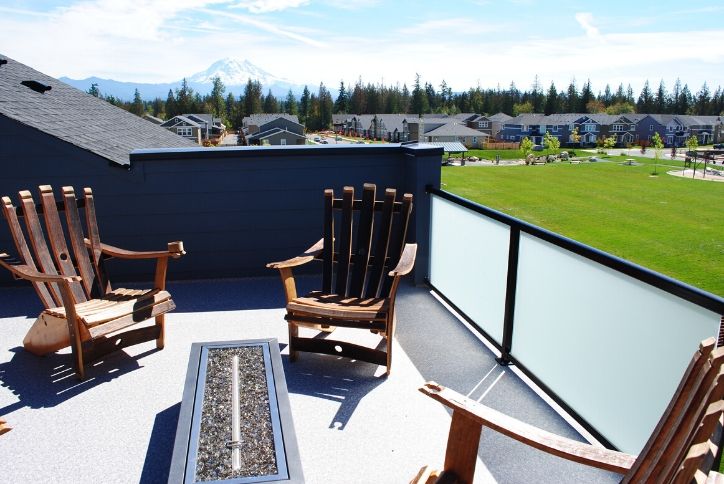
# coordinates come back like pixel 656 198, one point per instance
pixel 465 42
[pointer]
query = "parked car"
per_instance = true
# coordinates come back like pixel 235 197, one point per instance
pixel 537 148
pixel 317 139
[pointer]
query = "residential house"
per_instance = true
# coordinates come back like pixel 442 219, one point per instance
pixel 524 126
pixel 210 126
pixel 490 125
pixel 389 127
pixel 272 130
pixel 470 138
pixel 185 127
pixel 702 127
pixel 42 117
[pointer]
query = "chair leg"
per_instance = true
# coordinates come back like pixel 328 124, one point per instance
pixel 293 333
pixel 161 323
pixel 389 334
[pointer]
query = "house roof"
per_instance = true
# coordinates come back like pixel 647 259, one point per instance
pixel 449 146
pixel 78 118
pixel 180 119
pixel 499 117
pixel 263 118
pixel 454 129
pixel 272 132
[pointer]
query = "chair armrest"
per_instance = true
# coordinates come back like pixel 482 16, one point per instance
pixel 406 262
pixel 175 250
pixel 26 272
pixel 299 260
pixel 587 454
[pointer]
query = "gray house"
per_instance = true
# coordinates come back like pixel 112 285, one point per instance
pixel 183 126
pixel 279 130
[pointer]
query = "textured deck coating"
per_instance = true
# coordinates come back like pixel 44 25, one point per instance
pixel 352 425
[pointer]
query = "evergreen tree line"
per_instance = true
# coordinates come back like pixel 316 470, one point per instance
pixel 315 109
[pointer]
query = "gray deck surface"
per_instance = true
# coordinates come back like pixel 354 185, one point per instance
pixel 352 424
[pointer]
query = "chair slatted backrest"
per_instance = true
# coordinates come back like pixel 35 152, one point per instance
pixel 361 261
pixel 51 254
pixel 700 391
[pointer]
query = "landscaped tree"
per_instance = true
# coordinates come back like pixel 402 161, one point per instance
pixel 692 143
pixel 526 146
pixel 609 142
pixel 520 108
pixel 575 137
pixel 551 143
pixel 658 145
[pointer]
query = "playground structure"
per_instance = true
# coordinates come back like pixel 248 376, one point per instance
pixel 701 158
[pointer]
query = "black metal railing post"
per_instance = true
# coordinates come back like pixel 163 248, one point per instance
pixel 511 284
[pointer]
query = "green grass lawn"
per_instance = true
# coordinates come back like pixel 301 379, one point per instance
pixel 669 224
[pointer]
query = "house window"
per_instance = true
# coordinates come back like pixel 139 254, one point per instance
pixel 589 127
pixel 571 127
pixel 651 127
pixel 283 141
pixel 555 128
pixel 633 127
pixel 617 127
pixel 184 131
pixel 671 128
pixel 475 140
pixel 482 124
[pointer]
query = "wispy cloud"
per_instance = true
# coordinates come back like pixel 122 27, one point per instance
pixel 585 20
pixel 459 24
pixel 20 11
pixel 269 27
pixel 263 6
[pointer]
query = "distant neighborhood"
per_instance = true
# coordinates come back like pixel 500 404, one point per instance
pixel 379 113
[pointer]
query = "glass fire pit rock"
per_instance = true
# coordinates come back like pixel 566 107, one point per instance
pixel 235 424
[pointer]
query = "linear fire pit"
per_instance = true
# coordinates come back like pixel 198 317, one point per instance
pixel 235 424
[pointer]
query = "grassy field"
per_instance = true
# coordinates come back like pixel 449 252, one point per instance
pixel 669 224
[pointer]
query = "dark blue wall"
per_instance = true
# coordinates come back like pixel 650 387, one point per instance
pixel 235 208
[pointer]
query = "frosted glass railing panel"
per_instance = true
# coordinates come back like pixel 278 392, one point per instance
pixel 469 263
pixel 613 348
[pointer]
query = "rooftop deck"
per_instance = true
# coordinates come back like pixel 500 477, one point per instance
pixel 352 424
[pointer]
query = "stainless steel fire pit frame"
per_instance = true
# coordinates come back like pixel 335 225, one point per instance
pixel 183 461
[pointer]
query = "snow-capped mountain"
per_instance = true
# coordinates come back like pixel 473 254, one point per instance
pixel 233 73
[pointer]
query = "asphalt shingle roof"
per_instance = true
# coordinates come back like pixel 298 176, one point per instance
pixel 454 129
pixel 78 118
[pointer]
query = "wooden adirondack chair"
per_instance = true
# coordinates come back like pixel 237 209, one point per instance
pixel 4 427
pixel 681 449
pixel 357 294
pixel 81 309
